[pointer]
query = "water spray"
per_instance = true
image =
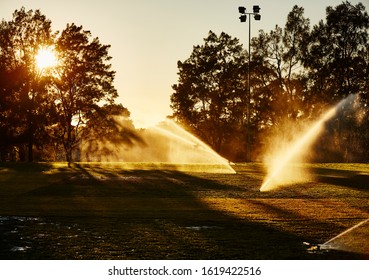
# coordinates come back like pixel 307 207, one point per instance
pixel 326 245
pixel 189 143
pixel 166 144
pixel 285 157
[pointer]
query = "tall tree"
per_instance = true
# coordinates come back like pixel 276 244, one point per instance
pixel 278 79
pixel 24 93
pixel 337 62
pixel 336 54
pixel 210 95
pixel 83 80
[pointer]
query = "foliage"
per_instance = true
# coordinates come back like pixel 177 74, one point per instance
pixel 337 63
pixel 296 73
pixel 83 79
pixel 50 107
pixel 278 76
pixel 23 96
pixel 210 93
pixel 336 55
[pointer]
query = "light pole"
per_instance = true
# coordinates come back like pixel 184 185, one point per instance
pixel 243 18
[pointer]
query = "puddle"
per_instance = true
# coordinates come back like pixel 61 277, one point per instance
pixel 23 236
pixel 19 249
pixel 197 228
pixel 51 238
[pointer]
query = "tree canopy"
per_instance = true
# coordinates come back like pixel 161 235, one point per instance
pixel 23 95
pixel 296 71
pixel 211 91
pixel 41 107
pixel 82 80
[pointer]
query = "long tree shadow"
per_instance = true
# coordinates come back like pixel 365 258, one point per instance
pixel 25 167
pixel 102 213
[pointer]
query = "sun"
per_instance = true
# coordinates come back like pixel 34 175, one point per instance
pixel 45 58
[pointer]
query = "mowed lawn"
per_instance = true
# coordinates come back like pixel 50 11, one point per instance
pixel 148 211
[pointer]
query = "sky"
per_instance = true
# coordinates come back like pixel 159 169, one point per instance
pixel 148 37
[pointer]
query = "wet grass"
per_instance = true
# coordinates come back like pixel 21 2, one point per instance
pixel 115 211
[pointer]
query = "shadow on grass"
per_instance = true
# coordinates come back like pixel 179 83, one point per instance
pixel 344 178
pixel 25 167
pixel 107 213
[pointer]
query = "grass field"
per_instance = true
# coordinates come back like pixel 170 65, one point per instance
pixel 146 211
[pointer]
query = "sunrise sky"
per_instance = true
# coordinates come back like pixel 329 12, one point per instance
pixel 148 37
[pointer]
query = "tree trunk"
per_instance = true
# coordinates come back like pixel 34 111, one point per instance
pixel 68 144
pixel 30 148
pixel 30 138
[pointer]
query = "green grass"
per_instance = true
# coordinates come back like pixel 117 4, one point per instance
pixel 159 211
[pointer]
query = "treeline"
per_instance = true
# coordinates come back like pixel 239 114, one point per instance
pixel 46 111
pixel 296 73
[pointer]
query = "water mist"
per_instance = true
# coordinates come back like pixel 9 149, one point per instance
pixel 164 145
pixel 282 168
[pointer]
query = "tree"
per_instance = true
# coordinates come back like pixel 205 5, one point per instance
pixel 337 62
pixel 10 121
pixel 83 79
pixel 278 77
pixel 211 93
pixel 40 106
pixel 335 56
pixel 23 94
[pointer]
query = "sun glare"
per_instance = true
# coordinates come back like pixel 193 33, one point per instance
pixel 45 58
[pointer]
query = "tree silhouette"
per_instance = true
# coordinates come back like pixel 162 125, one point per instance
pixel 52 106
pixel 296 73
pixel 210 95
pixel 23 92
pixel 278 87
pixel 83 79
pixel 337 62
pixel 337 51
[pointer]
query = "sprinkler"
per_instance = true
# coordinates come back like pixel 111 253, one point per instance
pixel 279 171
pixel 312 248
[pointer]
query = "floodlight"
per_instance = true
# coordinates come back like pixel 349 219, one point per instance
pixel 242 10
pixel 256 9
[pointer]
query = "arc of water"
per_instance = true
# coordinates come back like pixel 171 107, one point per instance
pixel 312 133
pixel 308 137
pixel 177 132
pixel 324 245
